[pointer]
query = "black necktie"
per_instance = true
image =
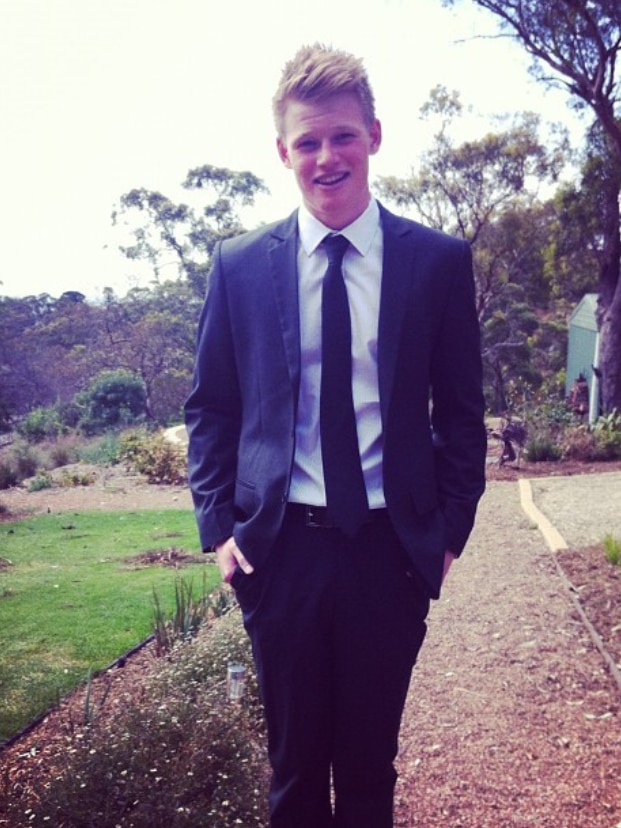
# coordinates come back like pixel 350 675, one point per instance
pixel 345 489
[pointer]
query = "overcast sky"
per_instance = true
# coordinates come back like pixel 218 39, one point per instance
pixel 100 96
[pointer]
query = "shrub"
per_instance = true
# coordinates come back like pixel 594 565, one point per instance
pixel 26 460
pixel 608 445
pixel 113 399
pixel 69 414
pixel 579 444
pixel 612 549
pixel 174 752
pixel 189 616
pixel 63 452
pixel 607 431
pixel 609 422
pixel 43 480
pixel 101 451
pixel 154 456
pixel 69 480
pixel 132 446
pixel 541 448
pixel 40 424
pixel 601 441
pixel 17 464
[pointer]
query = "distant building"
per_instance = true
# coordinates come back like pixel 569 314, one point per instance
pixel 583 350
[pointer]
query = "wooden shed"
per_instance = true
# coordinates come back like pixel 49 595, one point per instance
pixel 583 349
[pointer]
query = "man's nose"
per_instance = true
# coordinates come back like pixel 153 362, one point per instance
pixel 327 153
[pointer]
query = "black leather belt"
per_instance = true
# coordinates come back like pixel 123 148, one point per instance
pixel 317 517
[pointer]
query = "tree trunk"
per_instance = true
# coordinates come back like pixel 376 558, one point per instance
pixel 610 354
pixel 609 303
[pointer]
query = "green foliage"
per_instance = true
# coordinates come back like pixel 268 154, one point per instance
pixel 114 399
pixel 612 549
pixel 100 451
pixel 43 480
pixel 579 443
pixel 71 479
pixel 546 416
pixel 154 456
pixel 608 423
pixel 40 424
pixel 181 231
pixel 189 615
pixel 607 433
pixel 52 349
pixel 541 448
pixel 93 706
pixel 578 45
pixel 26 459
pixel 481 190
pixel 601 441
pixel 18 463
pixel 176 753
pixel 68 414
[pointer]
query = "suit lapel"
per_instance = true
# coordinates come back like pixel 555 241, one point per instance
pixel 282 255
pixel 397 267
pixel 397 274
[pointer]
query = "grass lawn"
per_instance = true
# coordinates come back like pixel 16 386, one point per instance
pixel 73 598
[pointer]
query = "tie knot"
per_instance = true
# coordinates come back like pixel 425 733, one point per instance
pixel 335 246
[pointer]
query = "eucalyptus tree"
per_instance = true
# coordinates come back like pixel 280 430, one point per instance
pixel 151 332
pixel 182 235
pixel 576 44
pixel 37 333
pixel 486 191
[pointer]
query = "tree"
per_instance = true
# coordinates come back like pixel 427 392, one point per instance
pixel 178 229
pixel 152 334
pixel 575 252
pixel 113 399
pixel 25 383
pixel 579 43
pixel 485 191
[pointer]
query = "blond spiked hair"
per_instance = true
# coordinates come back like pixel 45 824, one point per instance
pixel 317 72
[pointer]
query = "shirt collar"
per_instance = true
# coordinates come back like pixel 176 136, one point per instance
pixel 360 233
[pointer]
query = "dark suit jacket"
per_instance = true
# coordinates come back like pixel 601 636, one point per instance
pixel 242 409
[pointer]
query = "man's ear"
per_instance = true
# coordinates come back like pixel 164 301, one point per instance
pixel 376 136
pixel 282 152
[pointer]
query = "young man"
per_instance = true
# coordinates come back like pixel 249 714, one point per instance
pixel 336 448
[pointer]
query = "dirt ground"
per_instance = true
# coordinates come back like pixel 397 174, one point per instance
pixel 513 717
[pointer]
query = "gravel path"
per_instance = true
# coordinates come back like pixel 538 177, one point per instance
pixel 583 507
pixel 512 718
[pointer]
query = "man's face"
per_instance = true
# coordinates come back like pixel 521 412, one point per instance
pixel 327 144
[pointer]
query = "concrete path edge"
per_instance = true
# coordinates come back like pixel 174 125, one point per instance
pixel 555 542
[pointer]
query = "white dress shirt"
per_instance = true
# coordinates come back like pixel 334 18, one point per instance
pixel 362 271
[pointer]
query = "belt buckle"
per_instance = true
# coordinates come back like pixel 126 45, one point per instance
pixel 313 519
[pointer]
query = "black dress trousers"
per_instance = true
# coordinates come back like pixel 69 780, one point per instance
pixel 336 624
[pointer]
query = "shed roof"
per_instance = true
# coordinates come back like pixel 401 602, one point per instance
pixel 584 314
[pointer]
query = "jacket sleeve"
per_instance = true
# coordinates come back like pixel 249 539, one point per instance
pixel 213 415
pixel 458 407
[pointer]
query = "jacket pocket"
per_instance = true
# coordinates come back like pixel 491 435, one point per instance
pixel 246 501
pixel 424 499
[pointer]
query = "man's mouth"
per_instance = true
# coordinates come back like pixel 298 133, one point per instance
pixel 330 180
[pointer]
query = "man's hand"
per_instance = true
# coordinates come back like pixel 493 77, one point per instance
pixel 229 556
pixel 448 560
